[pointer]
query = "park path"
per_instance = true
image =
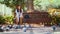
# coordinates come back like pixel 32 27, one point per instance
pixel 41 30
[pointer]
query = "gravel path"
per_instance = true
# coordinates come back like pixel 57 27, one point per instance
pixel 41 30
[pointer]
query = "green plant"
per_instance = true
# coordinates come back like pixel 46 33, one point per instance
pixel 57 19
pixel 9 19
pixel 12 3
pixel 2 20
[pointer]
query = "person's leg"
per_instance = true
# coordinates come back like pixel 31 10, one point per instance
pixel 17 21
pixel 21 20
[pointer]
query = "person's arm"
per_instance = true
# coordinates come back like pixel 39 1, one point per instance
pixel 15 13
pixel 22 10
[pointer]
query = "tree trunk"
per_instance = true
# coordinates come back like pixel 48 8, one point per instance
pixel 30 6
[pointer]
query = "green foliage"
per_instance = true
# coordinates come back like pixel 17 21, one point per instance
pixel 12 3
pixel 9 19
pixel 58 7
pixel 54 6
pixel 37 4
pixel 2 20
pixel 6 20
pixel 57 19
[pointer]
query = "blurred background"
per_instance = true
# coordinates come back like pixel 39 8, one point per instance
pixel 52 7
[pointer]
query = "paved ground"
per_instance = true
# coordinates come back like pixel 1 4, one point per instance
pixel 41 30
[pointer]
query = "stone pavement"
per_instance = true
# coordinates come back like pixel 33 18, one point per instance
pixel 41 30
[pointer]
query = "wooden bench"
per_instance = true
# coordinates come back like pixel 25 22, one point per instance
pixel 37 18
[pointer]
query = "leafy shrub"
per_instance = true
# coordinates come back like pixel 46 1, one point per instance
pixel 9 19
pixel 2 20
